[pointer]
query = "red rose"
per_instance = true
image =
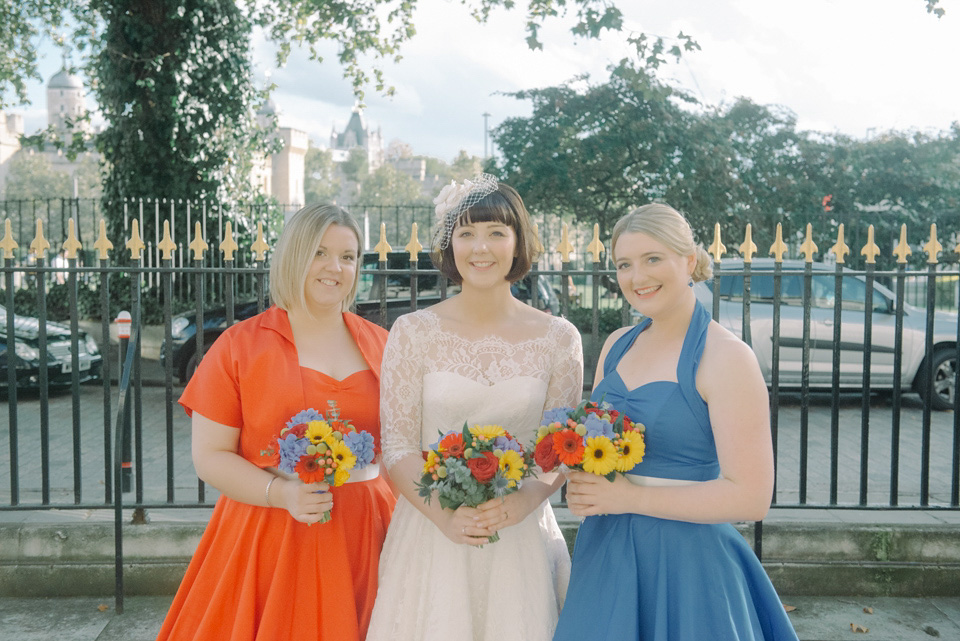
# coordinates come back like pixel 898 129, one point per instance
pixel 299 430
pixel 484 467
pixel 569 446
pixel 545 455
pixel 340 426
pixel 600 412
pixel 451 445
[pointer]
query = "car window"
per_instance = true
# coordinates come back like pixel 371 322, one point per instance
pixel 853 294
pixel 761 288
pixel 396 285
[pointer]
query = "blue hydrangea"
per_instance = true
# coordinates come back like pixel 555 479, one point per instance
pixel 557 415
pixel 504 443
pixel 361 444
pixel 291 449
pixel 596 426
pixel 305 417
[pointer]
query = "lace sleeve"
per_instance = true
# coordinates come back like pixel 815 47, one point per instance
pixel 401 392
pixel 566 378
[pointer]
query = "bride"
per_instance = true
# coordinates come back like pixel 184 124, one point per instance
pixel 481 357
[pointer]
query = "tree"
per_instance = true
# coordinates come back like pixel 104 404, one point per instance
pixel 389 186
pixel 319 185
pixel 173 78
pixel 32 177
pixel 465 166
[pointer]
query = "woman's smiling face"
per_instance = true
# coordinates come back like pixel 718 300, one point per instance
pixel 484 252
pixel 652 277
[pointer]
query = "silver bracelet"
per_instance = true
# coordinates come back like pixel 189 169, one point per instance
pixel 266 491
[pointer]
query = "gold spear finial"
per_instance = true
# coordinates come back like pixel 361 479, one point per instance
pixel 565 248
pixel 383 247
pixel 902 250
pixel 71 245
pixel 413 247
pixel 228 245
pixel 933 246
pixel 135 244
pixel 8 244
pixel 870 250
pixel 259 246
pixel 198 245
pixel 39 246
pixel 778 248
pixel 809 248
pixel 167 246
pixel 840 249
pixel 103 244
pixel 595 247
pixel 717 248
pixel 748 248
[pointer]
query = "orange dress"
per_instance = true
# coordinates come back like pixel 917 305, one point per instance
pixel 258 574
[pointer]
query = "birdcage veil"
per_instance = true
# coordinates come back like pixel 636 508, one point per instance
pixel 454 199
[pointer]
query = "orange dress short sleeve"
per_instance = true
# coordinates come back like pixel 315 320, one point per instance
pixel 257 574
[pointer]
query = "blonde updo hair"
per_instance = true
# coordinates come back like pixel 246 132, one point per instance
pixel 296 248
pixel 666 225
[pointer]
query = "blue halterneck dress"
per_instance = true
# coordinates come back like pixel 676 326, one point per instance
pixel 641 577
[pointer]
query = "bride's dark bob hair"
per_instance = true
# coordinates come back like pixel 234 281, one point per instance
pixel 502 206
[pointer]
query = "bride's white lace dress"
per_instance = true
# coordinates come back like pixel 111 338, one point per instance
pixel 433 380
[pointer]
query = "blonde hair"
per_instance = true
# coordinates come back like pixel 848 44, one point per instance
pixel 295 251
pixel 668 226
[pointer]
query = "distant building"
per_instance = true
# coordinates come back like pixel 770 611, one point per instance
pixel 358 135
pixel 281 175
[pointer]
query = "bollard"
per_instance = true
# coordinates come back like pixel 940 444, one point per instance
pixel 123 321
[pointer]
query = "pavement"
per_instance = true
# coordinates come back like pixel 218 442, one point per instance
pixel 814 618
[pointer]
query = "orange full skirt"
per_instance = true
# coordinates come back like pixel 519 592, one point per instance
pixel 258 575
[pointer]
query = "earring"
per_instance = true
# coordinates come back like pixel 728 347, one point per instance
pixel 690 284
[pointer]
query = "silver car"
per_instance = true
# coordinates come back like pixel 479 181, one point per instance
pixel 851 346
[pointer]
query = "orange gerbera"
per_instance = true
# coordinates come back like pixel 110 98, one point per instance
pixel 451 445
pixel 569 446
pixel 310 471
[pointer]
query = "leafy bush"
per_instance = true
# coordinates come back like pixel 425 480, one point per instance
pixel 582 318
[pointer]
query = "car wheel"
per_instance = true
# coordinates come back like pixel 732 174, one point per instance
pixel 944 379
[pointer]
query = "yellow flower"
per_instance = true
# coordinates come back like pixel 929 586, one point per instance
pixel 340 476
pixel 342 456
pixel 432 459
pixel 511 464
pixel 632 449
pixel 487 432
pixel 599 456
pixel 317 431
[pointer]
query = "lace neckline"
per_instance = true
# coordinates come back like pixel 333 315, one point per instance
pixel 496 339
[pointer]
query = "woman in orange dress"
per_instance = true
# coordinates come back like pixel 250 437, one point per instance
pixel 266 569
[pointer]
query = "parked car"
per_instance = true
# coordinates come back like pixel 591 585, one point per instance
pixel 822 302
pixel 26 354
pixel 547 298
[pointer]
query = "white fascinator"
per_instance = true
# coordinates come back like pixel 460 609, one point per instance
pixel 454 199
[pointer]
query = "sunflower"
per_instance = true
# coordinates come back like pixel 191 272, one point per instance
pixel 487 432
pixel 600 456
pixel 317 431
pixel 511 464
pixel 342 456
pixel 632 449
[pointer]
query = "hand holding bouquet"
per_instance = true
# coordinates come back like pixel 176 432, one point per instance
pixel 472 466
pixel 323 449
pixel 591 437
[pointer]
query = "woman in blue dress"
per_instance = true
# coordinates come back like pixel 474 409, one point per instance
pixel 657 558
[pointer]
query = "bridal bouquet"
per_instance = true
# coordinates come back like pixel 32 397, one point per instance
pixel 472 466
pixel 323 449
pixel 591 437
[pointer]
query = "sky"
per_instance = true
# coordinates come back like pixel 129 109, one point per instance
pixel 858 67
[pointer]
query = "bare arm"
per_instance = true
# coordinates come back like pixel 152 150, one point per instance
pixel 739 414
pixel 217 461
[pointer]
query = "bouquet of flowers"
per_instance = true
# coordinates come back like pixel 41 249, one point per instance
pixel 323 449
pixel 591 437
pixel 473 465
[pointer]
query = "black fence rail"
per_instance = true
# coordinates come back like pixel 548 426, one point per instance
pixel 862 384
